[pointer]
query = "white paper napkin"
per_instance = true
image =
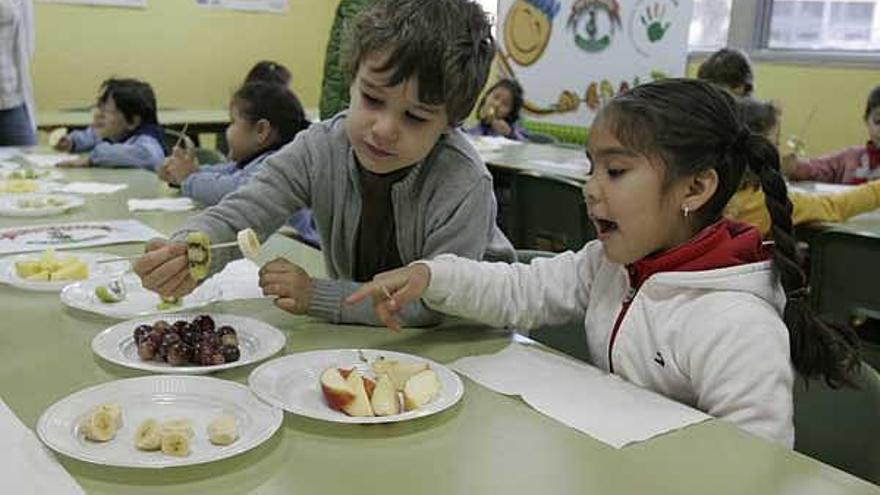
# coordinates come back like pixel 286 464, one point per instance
pixel 91 188
pixel 239 280
pixel 580 396
pixel 48 159
pixel 26 466
pixel 161 204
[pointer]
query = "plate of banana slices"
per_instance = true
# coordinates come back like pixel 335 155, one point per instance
pixel 158 422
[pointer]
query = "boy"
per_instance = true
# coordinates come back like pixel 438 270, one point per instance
pixel 391 181
pixel 731 69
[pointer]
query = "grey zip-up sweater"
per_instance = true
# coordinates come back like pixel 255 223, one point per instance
pixel 444 205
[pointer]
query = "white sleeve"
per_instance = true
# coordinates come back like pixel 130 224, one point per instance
pixel 547 291
pixel 740 367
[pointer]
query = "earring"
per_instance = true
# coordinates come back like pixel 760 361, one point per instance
pixel 685 209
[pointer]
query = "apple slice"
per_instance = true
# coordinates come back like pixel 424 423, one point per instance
pixel 398 371
pixel 369 386
pixel 420 389
pixel 360 406
pixel 337 391
pixel 384 400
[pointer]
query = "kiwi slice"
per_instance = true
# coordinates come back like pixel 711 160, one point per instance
pixel 198 254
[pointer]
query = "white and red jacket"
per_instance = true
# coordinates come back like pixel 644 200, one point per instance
pixel 699 323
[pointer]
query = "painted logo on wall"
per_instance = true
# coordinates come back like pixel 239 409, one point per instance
pixel 649 22
pixel 527 29
pixel 594 23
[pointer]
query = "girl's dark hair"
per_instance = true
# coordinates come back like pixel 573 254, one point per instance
pixel 515 90
pixel 270 72
pixel 760 117
pixel 692 126
pixel 873 101
pixel 276 104
pixel 730 68
pixel 132 98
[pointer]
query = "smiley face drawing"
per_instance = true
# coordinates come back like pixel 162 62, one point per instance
pixel 594 23
pixel 527 28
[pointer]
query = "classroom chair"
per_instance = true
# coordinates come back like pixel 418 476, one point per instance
pixel 569 338
pixel 840 427
pixel 549 214
pixel 208 156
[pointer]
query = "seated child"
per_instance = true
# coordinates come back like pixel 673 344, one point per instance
pixel 269 72
pixel 263 118
pixel 390 181
pixel 499 111
pixel 849 166
pixel 730 69
pixel 129 134
pixel 748 204
pixel 674 298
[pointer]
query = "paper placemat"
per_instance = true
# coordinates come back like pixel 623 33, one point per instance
pixel 74 235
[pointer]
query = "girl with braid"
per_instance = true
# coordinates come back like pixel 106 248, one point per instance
pixel 674 297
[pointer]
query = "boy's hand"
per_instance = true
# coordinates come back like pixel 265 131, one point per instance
pixel 64 144
pixel 79 162
pixel 501 127
pixel 180 165
pixel 164 269
pixel 392 290
pixel 289 283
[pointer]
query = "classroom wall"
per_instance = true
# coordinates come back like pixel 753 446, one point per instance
pixel 837 92
pixel 194 57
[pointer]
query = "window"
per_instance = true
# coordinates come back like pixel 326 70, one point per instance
pixel 709 24
pixel 825 25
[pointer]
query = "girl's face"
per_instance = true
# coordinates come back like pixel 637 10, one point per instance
pixel 633 214
pixel 244 138
pixel 502 99
pixel 873 124
pixel 115 126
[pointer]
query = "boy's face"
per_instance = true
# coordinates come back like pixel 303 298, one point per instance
pixel 388 127
pixel 873 124
pixel 115 126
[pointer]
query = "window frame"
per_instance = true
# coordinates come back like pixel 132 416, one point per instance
pixel 750 31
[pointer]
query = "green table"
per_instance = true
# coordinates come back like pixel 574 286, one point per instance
pixel 539 159
pixel 489 443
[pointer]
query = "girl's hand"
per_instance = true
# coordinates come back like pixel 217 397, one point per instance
pixel 180 165
pixel 64 144
pixel 80 162
pixel 289 283
pixel 501 127
pixel 392 290
pixel 789 164
pixel 164 269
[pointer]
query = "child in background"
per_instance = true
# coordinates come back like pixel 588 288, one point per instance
pixel 674 297
pixel 263 118
pixel 748 204
pixel 129 134
pixel 270 72
pixel 390 181
pixel 499 111
pixel 731 69
pixel 850 166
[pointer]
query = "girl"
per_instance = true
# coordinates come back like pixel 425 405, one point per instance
pixel 850 166
pixel 731 69
pixel 263 118
pixel 270 72
pixel 129 136
pixel 748 204
pixel 674 298
pixel 499 111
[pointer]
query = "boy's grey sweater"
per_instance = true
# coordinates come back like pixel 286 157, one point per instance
pixel 444 205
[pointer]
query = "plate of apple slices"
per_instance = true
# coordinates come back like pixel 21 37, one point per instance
pixel 357 385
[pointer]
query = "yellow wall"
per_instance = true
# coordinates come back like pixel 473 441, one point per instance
pixel 838 93
pixel 194 57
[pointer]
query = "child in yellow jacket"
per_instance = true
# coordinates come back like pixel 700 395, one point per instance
pixel 747 204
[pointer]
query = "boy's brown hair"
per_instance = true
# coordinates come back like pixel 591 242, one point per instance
pixel 446 45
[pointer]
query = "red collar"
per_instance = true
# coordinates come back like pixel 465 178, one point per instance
pixel 722 244
pixel 873 155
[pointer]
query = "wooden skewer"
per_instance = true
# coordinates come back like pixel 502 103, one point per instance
pixel 130 258
pixel 182 134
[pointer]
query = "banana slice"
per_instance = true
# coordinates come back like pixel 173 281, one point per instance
pixel 179 426
pixel 148 436
pixel 114 411
pixel 222 430
pixel 249 244
pixel 99 426
pixel 175 444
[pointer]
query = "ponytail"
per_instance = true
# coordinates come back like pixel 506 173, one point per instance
pixel 818 349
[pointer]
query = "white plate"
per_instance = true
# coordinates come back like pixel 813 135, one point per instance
pixel 10 205
pixel 100 271
pixel 138 301
pixel 41 173
pixel 256 342
pixel 292 383
pixel 195 398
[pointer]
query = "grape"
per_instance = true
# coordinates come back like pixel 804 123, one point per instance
pixel 180 354
pixel 141 332
pixel 203 323
pixel 146 350
pixel 230 353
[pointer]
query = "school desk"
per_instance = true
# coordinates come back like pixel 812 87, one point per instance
pixel 489 443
